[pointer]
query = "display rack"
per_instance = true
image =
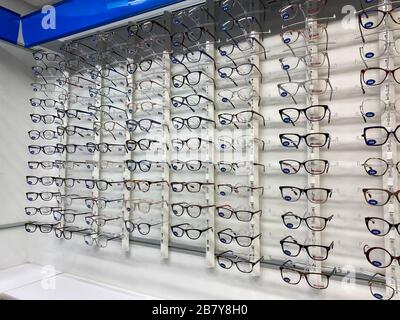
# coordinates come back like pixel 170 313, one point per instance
pixel 211 135
pixel 127 174
pixel 166 176
pixel 254 177
pixel 390 150
pixel 64 157
pixel 98 138
pixel 359 277
pixel 313 153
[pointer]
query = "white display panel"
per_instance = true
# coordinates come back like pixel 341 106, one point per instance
pixel 15 78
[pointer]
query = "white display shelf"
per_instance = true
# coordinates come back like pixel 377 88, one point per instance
pixel 32 282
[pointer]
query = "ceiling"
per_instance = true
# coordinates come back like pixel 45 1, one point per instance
pixel 40 3
pixel 24 7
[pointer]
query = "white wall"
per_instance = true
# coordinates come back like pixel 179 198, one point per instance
pixel 15 91
pixel 15 79
pixel 13 247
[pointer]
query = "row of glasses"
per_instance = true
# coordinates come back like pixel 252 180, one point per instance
pixel 106 66
pixel 87 58
pixel 240 56
pixel 142 216
pixel 150 59
pixel 100 240
pixel 378 25
pixel 308 54
pixel 92 62
pixel 84 92
pixel 193 84
pixel 51 99
pixel 189 41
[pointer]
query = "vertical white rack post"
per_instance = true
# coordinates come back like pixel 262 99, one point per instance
pixel 313 153
pixel 254 179
pixel 389 151
pixel 127 174
pixel 96 173
pixel 64 157
pixel 166 175
pixel 254 199
pixel 210 175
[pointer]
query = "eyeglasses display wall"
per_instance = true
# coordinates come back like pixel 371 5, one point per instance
pixel 207 128
pixel 379 82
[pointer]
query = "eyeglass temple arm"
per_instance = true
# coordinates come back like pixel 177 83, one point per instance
pixel 231 38
pixel 119 55
pixel 294 100
pixel 227 252
pixel 261 188
pixel 210 57
pixel 258 69
pixel 230 78
pixel 259 260
pixel 80 230
pixel 80 214
pixel 286 238
pixel 136 34
pixel 333 272
pixel 111 219
pixel 113 238
pixel 288 264
pixel 290 140
pixel 362 57
pixel 44 81
pixel 209 33
pixel 180 225
pixel 257 236
pixel 176 61
pixel 362 72
pixel 231 60
pixel 222 231
pixel 261 116
pixel 262 46
pixel 231 103
pixel 212 79
pixel 329 113
pixel 329 141
pixel 360 25
pixel 208 120
pixel 327 166
pixel 208 12
pixel 330 86
pixel 283 113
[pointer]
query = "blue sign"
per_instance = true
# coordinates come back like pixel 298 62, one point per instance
pixel 9 25
pixel 73 16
